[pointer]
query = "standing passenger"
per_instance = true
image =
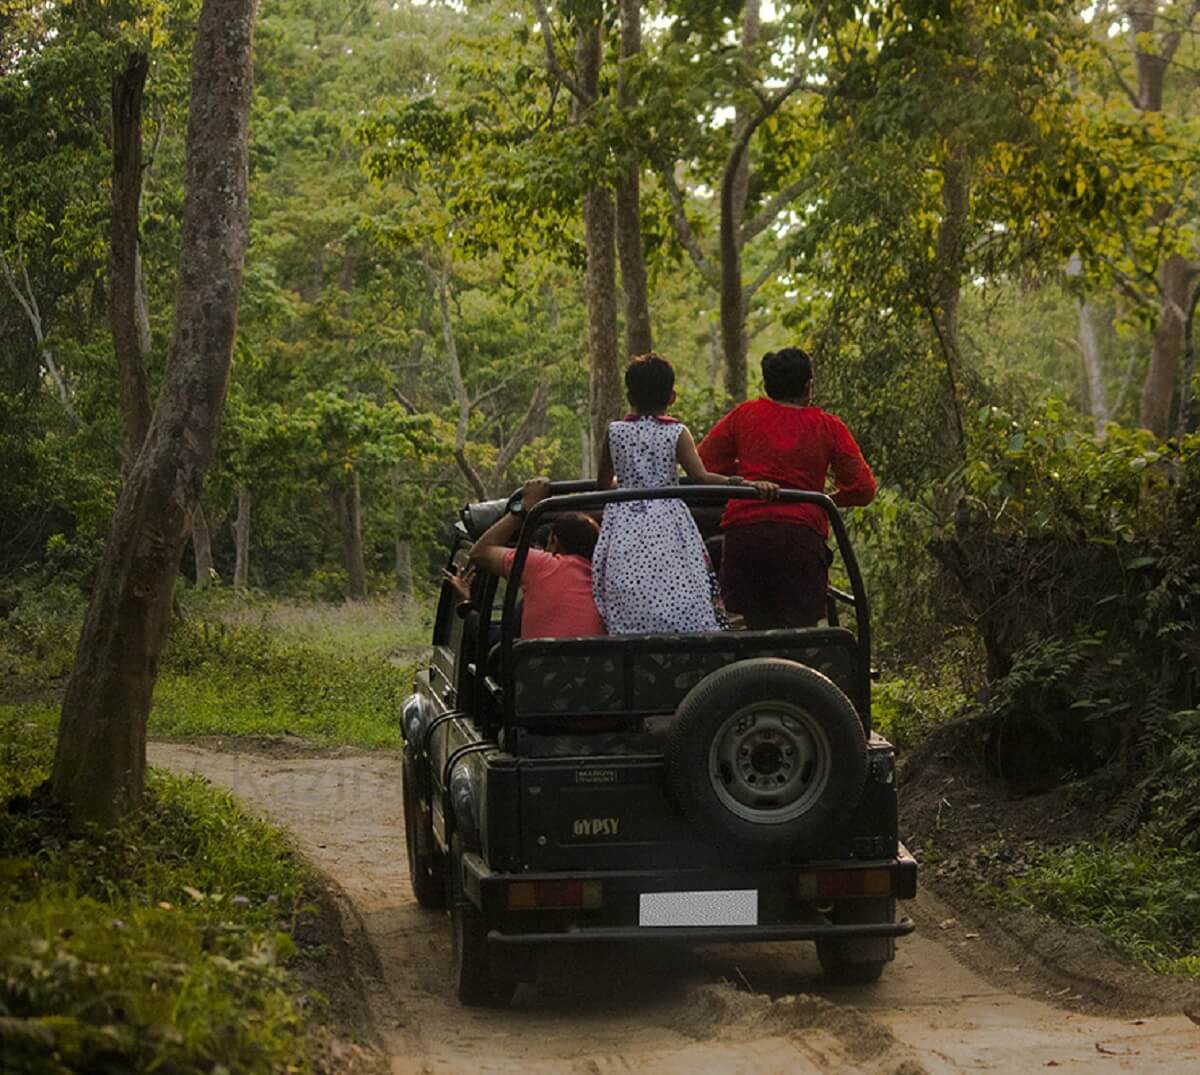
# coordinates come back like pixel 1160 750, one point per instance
pixel 650 571
pixel 775 564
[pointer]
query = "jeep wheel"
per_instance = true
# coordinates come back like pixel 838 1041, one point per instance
pixel 765 754
pixel 426 870
pixel 860 960
pixel 475 982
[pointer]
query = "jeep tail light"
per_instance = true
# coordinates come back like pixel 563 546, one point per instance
pixel 554 896
pixel 836 884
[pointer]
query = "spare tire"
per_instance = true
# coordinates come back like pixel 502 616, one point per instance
pixel 764 755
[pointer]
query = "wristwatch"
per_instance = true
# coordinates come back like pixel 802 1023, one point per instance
pixel 516 505
pixel 735 479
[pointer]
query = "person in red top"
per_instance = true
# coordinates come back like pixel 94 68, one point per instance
pixel 556 584
pixel 775 563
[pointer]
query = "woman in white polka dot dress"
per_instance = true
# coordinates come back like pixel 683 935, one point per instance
pixel 650 570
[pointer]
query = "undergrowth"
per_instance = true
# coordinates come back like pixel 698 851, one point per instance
pixel 1142 895
pixel 158 946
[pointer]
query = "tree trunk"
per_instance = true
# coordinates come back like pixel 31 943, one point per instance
pixel 735 188
pixel 404 568
pixel 1153 53
pixel 1089 347
pixel 714 354
pixel 99 765
pixel 241 535
pixel 587 465
pixel 1183 422
pixel 439 282
pixel 351 515
pixel 201 548
pixel 599 225
pixel 638 337
pixel 27 300
pixel 1150 60
pixel 1175 281
pixel 947 285
pixel 127 309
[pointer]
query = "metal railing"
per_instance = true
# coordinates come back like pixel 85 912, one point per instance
pixel 584 496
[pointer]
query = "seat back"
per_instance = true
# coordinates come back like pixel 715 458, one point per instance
pixel 648 675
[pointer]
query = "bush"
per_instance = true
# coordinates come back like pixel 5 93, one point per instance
pixel 1080 558
pixel 38 636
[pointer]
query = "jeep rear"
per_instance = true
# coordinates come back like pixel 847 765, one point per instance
pixel 651 788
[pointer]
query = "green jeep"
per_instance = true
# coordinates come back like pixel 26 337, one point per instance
pixel 696 788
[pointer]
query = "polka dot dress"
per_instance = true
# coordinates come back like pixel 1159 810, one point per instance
pixel 650 571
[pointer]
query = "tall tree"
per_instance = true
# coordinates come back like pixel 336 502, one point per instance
pixel 638 335
pixel 756 81
pixel 1179 275
pixel 128 314
pixel 99 764
pixel 599 216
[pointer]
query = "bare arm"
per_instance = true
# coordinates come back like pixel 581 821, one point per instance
pixel 490 550
pixel 693 465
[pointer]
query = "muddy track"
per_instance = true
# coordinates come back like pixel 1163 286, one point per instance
pixel 950 1002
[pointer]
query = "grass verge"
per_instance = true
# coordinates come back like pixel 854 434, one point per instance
pixel 239 679
pixel 161 945
pixel 247 665
pixel 1141 895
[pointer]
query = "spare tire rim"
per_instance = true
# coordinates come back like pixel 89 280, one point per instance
pixel 769 762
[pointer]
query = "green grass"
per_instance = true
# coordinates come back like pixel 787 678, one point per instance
pixel 245 665
pixel 236 679
pixel 1143 896
pixel 160 945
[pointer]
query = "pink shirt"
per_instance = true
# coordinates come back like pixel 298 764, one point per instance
pixel 558 596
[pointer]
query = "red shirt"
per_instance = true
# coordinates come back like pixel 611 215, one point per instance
pixel 795 446
pixel 558 596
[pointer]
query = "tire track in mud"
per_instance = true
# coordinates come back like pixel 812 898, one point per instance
pixel 650 1010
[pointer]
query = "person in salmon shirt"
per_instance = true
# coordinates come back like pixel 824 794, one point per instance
pixel 556 583
pixel 775 563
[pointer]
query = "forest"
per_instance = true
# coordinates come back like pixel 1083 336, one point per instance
pixel 455 221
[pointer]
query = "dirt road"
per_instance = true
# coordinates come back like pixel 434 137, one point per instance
pixel 726 1009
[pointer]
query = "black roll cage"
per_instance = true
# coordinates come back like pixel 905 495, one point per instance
pixel 583 496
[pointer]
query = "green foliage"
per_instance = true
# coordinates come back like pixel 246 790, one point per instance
pixel 38 634
pixel 906 709
pixel 161 944
pixel 1079 557
pixel 1144 896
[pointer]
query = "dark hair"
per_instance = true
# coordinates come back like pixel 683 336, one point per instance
pixel 649 380
pixel 786 373
pixel 577 533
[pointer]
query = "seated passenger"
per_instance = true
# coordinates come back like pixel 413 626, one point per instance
pixel 775 563
pixel 556 583
pixel 651 572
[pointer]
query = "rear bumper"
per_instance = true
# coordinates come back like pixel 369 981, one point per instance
pixel 796 914
pixel 813 931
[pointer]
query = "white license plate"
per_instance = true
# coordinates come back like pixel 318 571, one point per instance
pixel 730 907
